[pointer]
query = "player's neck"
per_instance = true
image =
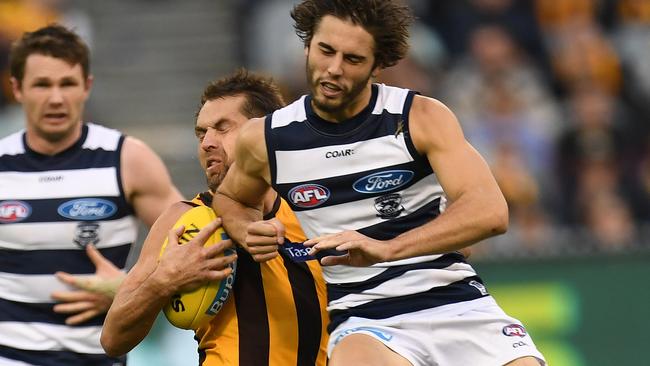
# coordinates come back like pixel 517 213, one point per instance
pixel 42 145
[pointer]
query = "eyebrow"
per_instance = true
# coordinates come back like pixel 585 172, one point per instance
pixel 325 45
pixel 213 124
pixel 65 79
pixel 330 48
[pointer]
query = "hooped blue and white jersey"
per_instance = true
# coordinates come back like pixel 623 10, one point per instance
pixel 51 207
pixel 365 174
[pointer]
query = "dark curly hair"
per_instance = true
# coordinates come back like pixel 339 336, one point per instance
pixel 386 20
pixel 53 40
pixel 262 95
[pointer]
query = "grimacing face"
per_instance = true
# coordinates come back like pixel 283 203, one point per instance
pixel 53 94
pixel 340 61
pixel 216 129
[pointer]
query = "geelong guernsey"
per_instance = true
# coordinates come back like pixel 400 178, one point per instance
pixel 50 208
pixel 365 174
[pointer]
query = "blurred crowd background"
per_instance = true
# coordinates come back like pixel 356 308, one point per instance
pixel 555 94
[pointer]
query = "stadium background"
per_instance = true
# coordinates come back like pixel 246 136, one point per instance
pixel 554 93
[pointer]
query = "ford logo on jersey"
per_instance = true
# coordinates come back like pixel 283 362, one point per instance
pixel 14 211
pixel 383 181
pixel 87 209
pixel 309 195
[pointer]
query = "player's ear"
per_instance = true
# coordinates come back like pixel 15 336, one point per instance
pixel 16 89
pixel 376 71
pixel 89 83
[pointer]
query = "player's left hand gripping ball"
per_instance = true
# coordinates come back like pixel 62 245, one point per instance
pixel 189 310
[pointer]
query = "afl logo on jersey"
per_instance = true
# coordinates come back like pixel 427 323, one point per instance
pixel 513 330
pixel 309 195
pixel 14 211
pixel 87 209
pixel 383 181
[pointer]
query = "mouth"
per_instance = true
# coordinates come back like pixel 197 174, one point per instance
pixel 213 164
pixel 330 90
pixel 55 117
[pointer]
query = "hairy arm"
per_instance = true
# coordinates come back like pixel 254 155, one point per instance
pixel 151 283
pixel 240 197
pixel 476 208
pixel 147 183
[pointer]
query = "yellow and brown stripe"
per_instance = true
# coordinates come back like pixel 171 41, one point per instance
pixel 277 315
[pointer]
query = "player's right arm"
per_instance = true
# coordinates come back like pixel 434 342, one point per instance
pixel 240 197
pixel 151 283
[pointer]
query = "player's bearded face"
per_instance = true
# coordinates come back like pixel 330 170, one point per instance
pixel 217 166
pixel 348 88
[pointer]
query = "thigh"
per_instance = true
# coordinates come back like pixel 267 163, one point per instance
pixel 526 361
pixel 361 350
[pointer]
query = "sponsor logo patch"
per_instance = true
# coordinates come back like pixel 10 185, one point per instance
pixel 309 195
pixel 86 233
pixel 296 251
pixel 14 211
pixel 50 178
pixel 87 209
pixel 479 286
pixel 339 153
pixel 383 181
pixel 389 206
pixel 514 330
pixel 224 291
pixel 519 344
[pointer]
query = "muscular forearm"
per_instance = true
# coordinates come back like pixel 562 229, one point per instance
pixel 236 217
pixel 465 222
pixel 132 314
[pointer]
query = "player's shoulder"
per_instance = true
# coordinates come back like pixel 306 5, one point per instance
pixel 429 112
pixel 429 105
pixel 138 153
pixel 432 123
pixel 170 215
pixel 12 144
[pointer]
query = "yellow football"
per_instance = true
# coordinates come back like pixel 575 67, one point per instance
pixel 189 310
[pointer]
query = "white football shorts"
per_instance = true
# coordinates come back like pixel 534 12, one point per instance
pixel 477 333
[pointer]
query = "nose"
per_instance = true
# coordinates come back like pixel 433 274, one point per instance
pixel 56 96
pixel 210 140
pixel 335 66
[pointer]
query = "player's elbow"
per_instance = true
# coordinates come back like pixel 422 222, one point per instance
pixel 498 220
pixel 111 344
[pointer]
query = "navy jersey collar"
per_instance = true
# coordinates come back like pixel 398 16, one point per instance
pixel 343 127
pixel 76 146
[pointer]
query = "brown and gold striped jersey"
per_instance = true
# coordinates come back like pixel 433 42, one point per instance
pixel 276 314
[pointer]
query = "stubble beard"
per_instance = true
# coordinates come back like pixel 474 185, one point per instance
pixel 333 106
pixel 214 181
pixel 54 137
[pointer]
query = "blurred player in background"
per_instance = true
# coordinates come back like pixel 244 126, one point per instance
pixel 276 313
pixel 385 186
pixel 71 192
